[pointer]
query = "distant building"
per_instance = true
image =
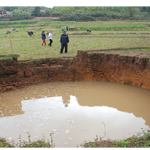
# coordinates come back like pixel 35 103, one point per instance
pixel 1 10
pixel 4 12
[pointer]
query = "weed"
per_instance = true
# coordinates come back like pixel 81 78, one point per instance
pixel 29 137
pixel 140 140
pixel 51 135
pixel 30 144
pixel 122 143
pixel 4 143
pixel 96 138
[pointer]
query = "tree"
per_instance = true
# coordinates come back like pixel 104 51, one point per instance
pixel 131 11
pixel 8 8
pixel 19 13
pixel 36 11
pixel 145 9
pixel 47 12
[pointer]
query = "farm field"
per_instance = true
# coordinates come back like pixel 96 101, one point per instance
pixel 104 35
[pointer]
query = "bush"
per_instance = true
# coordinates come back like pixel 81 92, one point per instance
pixel 20 18
pixel 86 18
pixel 57 14
pixel 68 18
pixel 75 18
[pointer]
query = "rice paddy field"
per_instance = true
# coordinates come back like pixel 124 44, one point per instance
pixel 132 37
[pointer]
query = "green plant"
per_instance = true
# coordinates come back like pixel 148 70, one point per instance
pixel 4 143
pixel 51 135
pixel 122 143
pixel 142 139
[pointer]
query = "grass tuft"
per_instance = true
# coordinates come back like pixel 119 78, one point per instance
pixel 140 140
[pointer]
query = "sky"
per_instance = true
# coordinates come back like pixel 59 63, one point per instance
pixel 52 3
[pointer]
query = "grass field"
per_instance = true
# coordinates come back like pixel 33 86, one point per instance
pixel 105 34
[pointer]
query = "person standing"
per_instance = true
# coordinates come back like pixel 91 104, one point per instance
pixel 43 38
pixel 67 28
pixel 64 40
pixel 50 36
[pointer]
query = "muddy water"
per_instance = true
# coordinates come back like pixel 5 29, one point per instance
pixel 74 112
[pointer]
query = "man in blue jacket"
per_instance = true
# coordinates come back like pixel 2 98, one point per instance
pixel 64 40
pixel 43 38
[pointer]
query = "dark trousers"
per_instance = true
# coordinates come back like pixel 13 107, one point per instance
pixel 62 47
pixel 50 40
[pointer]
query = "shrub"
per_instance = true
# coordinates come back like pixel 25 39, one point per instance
pixel 76 18
pixel 68 18
pixel 86 18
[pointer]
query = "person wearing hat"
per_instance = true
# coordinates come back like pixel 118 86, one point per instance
pixel 64 40
pixel 43 38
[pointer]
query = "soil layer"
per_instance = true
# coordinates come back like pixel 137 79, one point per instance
pixel 87 65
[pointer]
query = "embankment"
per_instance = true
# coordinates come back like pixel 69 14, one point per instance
pixel 87 65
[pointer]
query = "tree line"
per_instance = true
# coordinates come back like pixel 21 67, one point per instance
pixel 81 13
pixel 102 13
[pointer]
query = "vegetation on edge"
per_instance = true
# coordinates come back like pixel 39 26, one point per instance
pixel 138 141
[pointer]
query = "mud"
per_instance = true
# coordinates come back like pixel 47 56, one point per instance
pixel 87 65
pixel 74 112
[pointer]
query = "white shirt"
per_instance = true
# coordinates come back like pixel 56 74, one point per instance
pixel 50 36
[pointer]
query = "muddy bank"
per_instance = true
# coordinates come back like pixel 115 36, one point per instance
pixel 87 65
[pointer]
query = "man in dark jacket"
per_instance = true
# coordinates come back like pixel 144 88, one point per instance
pixel 64 40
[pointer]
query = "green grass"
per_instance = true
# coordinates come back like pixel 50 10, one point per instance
pixel 9 56
pixel 18 22
pixel 141 140
pixel 138 141
pixel 30 144
pixel 106 25
pixel 5 144
pixel 29 48
pixel 115 27
pixel 36 144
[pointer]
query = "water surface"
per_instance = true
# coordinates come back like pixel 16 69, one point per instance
pixel 74 112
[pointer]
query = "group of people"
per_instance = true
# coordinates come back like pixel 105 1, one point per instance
pixel 50 36
pixel 64 40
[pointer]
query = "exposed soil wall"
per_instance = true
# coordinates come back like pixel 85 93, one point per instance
pixel 87 65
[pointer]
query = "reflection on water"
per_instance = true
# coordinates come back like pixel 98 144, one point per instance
pixel 74 111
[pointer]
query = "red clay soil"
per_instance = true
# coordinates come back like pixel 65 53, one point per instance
pixel 85 66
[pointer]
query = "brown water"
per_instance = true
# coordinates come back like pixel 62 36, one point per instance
pixel 74 112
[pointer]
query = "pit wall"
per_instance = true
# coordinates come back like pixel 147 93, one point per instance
pixel 87 65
